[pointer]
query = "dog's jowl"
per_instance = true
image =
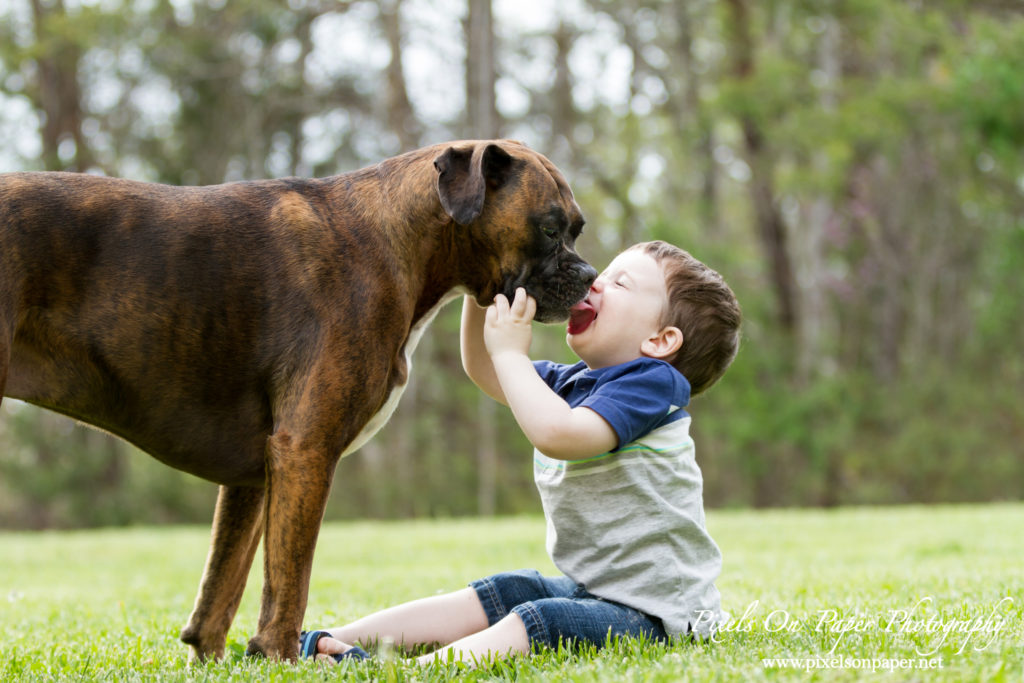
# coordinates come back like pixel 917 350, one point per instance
pixel 252 333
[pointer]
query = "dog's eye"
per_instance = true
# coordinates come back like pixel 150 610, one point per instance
pixel 550 232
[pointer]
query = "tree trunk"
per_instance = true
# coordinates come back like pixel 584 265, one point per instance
pixel 401 119
pixel 59 97
pixel 693 114
pixel 770 225
pixel 481 73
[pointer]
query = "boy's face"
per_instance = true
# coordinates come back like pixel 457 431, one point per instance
pixel 621 312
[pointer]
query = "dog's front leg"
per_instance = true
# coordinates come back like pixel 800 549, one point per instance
pixel 237 524
pixel 298 482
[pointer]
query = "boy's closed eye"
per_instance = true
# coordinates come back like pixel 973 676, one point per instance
pixel 621 279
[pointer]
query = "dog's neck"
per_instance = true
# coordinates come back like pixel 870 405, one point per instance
pixel 397 202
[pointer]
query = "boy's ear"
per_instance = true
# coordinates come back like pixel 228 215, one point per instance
pixel 663 344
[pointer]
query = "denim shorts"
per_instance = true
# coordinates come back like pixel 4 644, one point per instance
pixel 557 609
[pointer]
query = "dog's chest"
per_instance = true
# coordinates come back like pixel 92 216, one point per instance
pixel 384 414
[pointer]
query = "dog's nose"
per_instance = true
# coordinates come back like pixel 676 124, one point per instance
pixel 587 273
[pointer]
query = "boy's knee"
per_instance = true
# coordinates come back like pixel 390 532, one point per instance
pixel 543 620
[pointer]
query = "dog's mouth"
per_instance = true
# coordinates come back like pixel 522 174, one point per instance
pixel 557 294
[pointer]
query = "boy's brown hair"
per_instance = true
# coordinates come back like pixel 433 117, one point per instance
pixel 704 308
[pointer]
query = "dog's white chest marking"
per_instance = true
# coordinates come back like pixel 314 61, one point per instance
pixel 384 414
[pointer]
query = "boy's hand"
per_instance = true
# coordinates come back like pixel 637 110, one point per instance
pixel 508 327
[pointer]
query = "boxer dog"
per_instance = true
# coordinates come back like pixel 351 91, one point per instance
pixel 255 332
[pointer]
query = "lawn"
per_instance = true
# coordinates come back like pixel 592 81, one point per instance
pixel 936 593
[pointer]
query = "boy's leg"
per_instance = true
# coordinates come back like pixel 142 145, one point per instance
pixel 440 619
pixel 507 637
pixel 474 621
pixel 503 599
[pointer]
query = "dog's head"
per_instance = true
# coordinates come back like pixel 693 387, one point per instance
pixel 521 225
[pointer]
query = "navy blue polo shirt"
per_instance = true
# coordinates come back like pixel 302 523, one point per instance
pixel 635 397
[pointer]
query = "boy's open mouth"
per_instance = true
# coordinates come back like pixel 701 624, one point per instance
pixel 580 317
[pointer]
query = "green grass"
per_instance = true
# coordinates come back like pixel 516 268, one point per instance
pixel 108 605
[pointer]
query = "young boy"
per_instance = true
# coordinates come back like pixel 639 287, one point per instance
pixel 614 464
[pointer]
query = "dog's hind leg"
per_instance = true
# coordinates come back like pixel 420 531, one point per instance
pixel 237 527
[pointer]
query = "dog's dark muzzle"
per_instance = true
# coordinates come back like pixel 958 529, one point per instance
pixel 556 286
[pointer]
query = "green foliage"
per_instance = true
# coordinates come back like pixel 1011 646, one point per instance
pixel 109 604
pixel 944 435
pixel 988 91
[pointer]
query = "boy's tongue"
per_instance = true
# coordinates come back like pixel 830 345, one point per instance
pixel 580 317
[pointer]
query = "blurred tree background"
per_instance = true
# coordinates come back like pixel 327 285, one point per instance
pixel 854 168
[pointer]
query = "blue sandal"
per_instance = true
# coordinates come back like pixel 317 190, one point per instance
pixel 309 639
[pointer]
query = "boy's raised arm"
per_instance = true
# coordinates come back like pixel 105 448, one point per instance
pixel 475 359
pixel 552 426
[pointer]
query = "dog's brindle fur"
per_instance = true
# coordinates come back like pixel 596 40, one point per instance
pixel 254 332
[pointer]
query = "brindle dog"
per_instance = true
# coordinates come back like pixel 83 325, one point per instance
pixel 252 333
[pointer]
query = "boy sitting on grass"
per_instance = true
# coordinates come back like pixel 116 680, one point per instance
pixel 614 464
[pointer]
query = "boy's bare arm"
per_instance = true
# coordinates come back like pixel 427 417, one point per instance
pixel 554 428
pixel 475 359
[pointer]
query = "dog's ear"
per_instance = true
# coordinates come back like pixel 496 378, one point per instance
pixel 464 176
pixel 496 165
